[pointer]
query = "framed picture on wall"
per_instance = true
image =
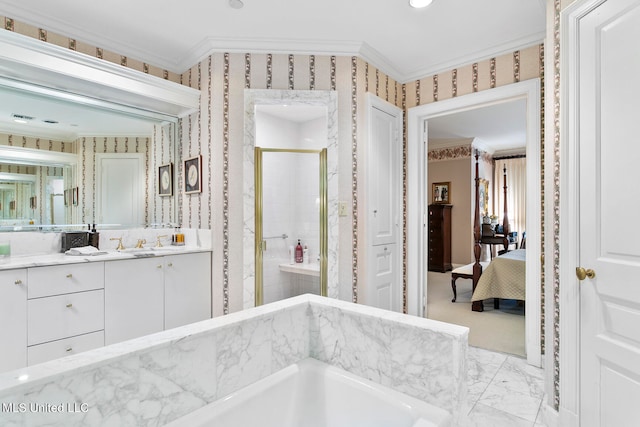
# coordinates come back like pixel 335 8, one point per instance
pixel 441 192
pixel 165 180
pixel 193 175
pixel 483 201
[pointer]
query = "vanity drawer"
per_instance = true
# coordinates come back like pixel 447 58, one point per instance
pixel 65 279
pixel 56 349
pixel 64 316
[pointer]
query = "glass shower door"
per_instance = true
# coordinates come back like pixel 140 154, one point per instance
pixel 290 223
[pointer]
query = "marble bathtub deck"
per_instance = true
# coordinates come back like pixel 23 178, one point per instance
pixel 503 390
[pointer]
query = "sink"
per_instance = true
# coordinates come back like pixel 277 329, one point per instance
pixel 169 248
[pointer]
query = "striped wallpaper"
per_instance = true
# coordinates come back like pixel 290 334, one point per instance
pixel 216 131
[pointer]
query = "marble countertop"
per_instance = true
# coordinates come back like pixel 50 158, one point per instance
pixel 47 259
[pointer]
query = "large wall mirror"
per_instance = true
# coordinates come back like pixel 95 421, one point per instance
pixel 81 140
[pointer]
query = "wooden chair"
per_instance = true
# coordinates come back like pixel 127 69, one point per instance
pixel 464 272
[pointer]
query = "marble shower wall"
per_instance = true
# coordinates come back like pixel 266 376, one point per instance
pixel 158 378
pixel 217 133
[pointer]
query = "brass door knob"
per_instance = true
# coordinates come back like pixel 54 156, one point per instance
pixel 582 274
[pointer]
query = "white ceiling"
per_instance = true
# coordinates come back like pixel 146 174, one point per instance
pixel 500 128
pixel 406 43
pixel 403 42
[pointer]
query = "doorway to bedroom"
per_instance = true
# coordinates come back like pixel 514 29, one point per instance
pixel 518 334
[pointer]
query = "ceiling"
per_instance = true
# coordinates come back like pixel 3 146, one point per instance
pixel 499 128
pixel 403 42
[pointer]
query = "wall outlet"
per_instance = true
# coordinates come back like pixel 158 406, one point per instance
pixel 342 208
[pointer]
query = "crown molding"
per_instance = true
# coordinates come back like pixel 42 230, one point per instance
pixel 511 152
pixel 209 45
pixel 481 55
pixel 45 68
pixel 482 146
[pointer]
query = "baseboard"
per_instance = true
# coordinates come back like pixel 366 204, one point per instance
pixel 550 417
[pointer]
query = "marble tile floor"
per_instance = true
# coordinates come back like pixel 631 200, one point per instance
pixel 503 390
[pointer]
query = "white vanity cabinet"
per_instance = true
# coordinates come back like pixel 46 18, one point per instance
pixel 187 289
pixel 147 295
pixel 65 310
pixel 13 319
pixel 134 298
pixel 48 312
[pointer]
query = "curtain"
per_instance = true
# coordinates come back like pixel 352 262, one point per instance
pixel 516 193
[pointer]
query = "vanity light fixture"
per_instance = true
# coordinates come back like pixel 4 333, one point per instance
pixel 419 3
pixel 236 4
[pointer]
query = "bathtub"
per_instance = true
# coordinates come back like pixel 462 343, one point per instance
pixel 314 394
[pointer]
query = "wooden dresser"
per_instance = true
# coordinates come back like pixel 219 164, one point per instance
pixel 440 238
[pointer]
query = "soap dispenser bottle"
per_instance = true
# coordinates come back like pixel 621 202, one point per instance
pixel 305 254
pixel 94 237
pixel 299 252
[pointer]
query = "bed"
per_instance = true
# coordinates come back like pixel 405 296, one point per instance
pixel 504 277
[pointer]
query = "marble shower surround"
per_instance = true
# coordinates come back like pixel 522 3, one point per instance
pixel 328 99
pixel 156 379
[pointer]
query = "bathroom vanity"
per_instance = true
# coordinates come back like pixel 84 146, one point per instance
pixel 54 305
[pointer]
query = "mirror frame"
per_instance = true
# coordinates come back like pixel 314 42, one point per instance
pixel 46 69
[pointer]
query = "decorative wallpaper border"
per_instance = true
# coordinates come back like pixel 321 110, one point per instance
pixel 450 153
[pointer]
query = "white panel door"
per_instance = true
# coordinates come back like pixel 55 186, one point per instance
pixel 120 186
pixel 383 178
pixel 384 279
pixel 609 153
pixel 383 282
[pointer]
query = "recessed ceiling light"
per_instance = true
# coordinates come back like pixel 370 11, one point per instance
pixel 236 4
pixel 419 3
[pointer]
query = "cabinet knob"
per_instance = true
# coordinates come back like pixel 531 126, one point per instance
pixel 18 282
pixel 69 349
pixel 69 305
pixel 69 276
pixel 159 266
pixel 170 264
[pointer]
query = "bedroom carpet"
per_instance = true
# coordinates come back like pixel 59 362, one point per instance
pixel 496 330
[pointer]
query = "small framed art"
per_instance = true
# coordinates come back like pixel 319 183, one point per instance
pixel 165 180
pixel 193 175
pixel 441 192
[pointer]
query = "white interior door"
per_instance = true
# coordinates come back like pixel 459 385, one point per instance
pixel 384 276
pixel 608 98
pixel 120 184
